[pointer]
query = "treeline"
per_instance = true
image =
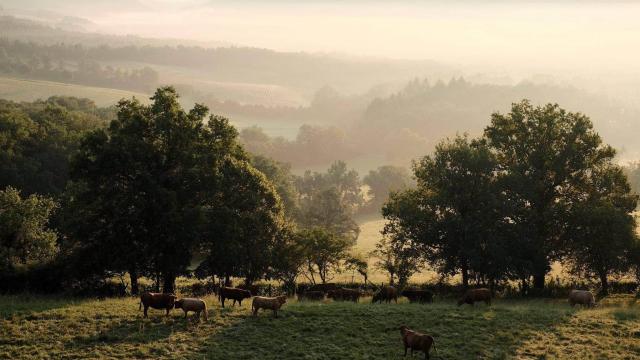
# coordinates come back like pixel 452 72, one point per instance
pixel 70 64
pixel 410 122
pixel 157 188
pixel 160 187
pixel 539 186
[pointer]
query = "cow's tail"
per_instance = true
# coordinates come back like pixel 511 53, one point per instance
pixel 140 305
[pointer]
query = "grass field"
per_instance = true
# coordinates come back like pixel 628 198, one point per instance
pixel 30 90
pixel 37 327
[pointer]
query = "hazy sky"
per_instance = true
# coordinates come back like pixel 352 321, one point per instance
pixel 585 35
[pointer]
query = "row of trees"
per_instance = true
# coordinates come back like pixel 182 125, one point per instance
pixel 539 186
pixel 161 191
pixel 38 62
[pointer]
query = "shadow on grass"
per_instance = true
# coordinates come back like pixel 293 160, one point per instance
pixel 366 331
pixel 28 306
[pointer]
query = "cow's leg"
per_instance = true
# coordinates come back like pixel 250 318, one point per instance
pixel 167 314
pixel 240 302
pixel 426 355
pixel 222 302
pixel 146 308
pixel 405 351
pixel 185 314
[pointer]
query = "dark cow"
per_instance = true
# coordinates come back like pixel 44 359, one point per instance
pixel 472 296
pixel 386 294
pixel 234 294
pixel 417 295
pixel 158 301
pixel 325 288
pixel 416 341
pixel 311 295
pixel 344 294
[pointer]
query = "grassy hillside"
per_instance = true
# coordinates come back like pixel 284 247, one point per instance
pixel 29 90
pixel 114 328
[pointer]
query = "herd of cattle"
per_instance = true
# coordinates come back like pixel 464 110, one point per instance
pixel 411 339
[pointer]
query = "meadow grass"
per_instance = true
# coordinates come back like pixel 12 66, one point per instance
pixel 30 90
pixel 48 327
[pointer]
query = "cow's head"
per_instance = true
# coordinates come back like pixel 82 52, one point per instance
pixel 178 303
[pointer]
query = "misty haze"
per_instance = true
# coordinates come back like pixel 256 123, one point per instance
pixel 455 178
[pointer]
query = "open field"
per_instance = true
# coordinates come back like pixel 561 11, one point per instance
pixel 30 90
pixel 37 327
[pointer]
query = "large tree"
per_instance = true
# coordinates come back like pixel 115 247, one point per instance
pixel 244 220
pixel 601 234
pixel 454 212
pixel 544 153
pixel 148 181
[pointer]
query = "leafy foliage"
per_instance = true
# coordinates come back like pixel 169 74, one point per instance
pixel 24 234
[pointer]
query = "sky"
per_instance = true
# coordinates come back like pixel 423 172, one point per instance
pixel 586 36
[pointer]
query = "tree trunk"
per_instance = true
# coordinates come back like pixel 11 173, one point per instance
pixel 169 285
pixel 157 282
pixel 465 276
pixel 133 275
pixel 538 279
pixel 604 282
pixel 525 286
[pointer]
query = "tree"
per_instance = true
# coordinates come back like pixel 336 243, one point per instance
pixel 244 219
pixel 280 176
pixel 289 258
pixel 148 181
pixel 24 234
pixel 452 215
pixel 399 258
pixel 329 200
pixel 358 262
pixel 601 234
pixel 544 153
pixel 384 180
pixel 37 140
pixel 324 251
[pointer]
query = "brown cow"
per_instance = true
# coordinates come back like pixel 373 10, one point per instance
pixel 417 295
pixel 386 293
pixel 196 305
pixel 234 294
pixel 416 341
pixel 271 303
pixel 582 297
pixel 344 294
pixel 311 295
pixel 157 301
pixel 473 295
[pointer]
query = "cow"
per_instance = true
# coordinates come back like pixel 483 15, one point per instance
pixel 416 295
pixel 158 301
pixel 344 294
pixel 582 297
pixel 416 341
pixel 471 296
pixel 311 295
pixel 386 294
pixel 196 305
pixel 271 303
pixel 325 288
pixel 234 294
